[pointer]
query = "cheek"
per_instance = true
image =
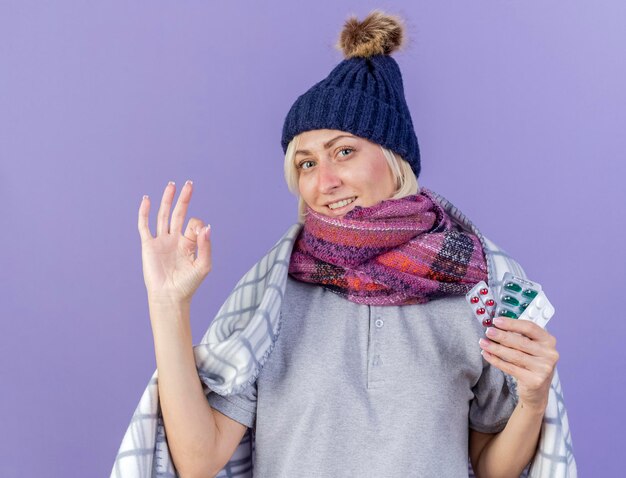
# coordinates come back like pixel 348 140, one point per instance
pixel 305 188
pixel 381 169
pixel 377 176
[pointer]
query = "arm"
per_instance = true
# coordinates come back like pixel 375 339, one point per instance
pixel 527 352
pixel 506 453
pixel 201 440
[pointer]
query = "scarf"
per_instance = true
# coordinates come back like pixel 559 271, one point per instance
pixel 398 252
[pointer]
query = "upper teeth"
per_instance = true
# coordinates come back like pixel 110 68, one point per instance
pixel 343 203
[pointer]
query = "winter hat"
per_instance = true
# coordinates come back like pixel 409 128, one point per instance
pixel 363 94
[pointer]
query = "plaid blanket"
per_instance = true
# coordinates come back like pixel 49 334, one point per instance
pixel 241 337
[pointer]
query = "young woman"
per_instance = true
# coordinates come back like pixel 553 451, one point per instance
pixel 377 369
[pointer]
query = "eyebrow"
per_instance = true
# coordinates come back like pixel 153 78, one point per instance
pixel 326 145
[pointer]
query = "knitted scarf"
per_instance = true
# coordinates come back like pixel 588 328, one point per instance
pixel 398 252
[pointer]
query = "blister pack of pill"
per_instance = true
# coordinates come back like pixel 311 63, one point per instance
pixel 482 302
pixel 519 299
pixel 516 295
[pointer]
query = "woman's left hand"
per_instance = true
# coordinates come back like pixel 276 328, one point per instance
pixel 527 352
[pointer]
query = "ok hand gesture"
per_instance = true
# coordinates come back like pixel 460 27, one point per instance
pixel 172 272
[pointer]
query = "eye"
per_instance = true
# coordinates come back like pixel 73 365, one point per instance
pixel 342 150
pixel 303 164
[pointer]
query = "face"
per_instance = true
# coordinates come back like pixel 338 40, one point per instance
pixel 338 171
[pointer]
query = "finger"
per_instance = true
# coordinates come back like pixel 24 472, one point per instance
pixel 520 374
pixel 193 228
pixel 142 222
pixel 180 210
pixel 516 341
pixel 526 327
pixel 515 357
pixel 204 250
pixel 163 215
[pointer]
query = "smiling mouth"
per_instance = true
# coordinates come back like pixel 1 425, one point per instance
pixel 341 204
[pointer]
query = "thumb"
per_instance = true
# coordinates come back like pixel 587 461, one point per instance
pixel 204 249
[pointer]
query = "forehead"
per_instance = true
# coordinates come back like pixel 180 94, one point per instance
pixel 319 137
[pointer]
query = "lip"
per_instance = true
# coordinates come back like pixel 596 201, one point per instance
pixel 342 208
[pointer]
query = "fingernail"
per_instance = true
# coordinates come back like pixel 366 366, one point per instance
pixel 208 231
pixel 189 181
pixel 171 183
pixel 498 321
pixel 197 230
pixel 145 196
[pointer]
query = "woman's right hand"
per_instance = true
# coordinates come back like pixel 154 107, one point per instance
pixel 171 270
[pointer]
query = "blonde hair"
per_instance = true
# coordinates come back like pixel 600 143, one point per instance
pixel 406 181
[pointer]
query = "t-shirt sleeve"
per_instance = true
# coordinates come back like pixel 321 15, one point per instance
pixel 493 403
pixel 240 407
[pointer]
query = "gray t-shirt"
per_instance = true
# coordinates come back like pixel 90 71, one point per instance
pixel 358 390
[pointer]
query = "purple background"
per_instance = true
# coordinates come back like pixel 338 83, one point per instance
pixel 519 108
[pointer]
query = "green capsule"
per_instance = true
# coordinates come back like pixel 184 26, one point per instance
pixel 507 299
pixel 524 305
pixel 513 287
pixel 507 313
pixel 531 294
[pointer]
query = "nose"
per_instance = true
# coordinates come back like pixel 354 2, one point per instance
pixel 328 177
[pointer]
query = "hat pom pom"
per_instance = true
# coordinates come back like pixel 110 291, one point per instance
pixel 378 34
